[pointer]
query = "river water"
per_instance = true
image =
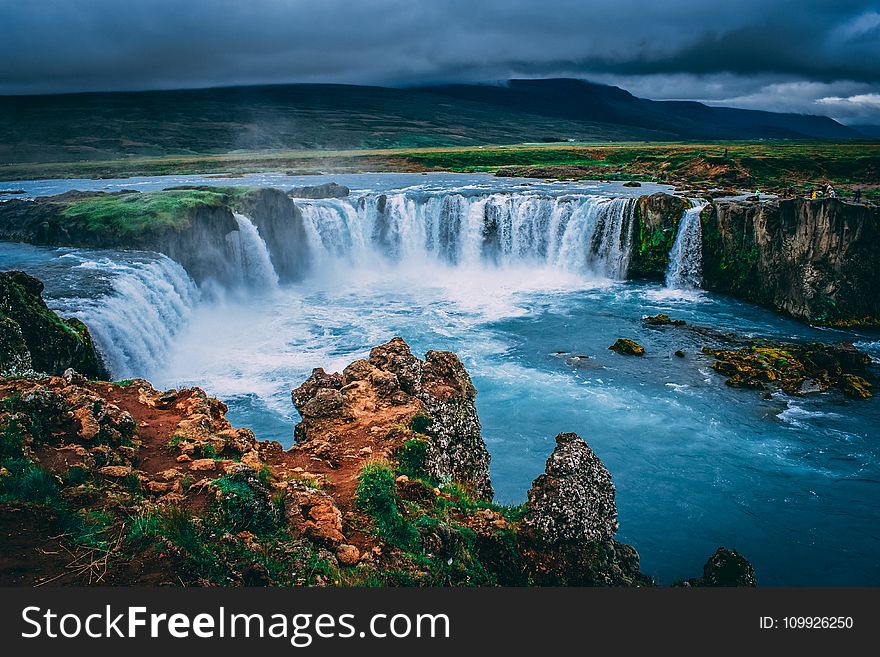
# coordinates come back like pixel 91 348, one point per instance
pixel 531 308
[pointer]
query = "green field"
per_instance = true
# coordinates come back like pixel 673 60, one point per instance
pixel 779 166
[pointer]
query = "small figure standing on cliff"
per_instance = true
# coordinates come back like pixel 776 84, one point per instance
pixel 857 197
pixel 758 194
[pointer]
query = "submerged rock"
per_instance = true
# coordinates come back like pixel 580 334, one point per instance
pixel 627 347
pixel 662 320
pixel 726 568
pixel 795 369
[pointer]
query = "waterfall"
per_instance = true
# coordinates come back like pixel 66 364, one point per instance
pixel 685 269
pixel 584 234
pixel 251 256
pixel 144 302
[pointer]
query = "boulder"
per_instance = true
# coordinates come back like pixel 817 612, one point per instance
pixel 574 499
pixel 726 568
pixel 627 347
pixel 312 513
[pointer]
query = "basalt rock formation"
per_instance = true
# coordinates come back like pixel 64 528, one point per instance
pixel 656 222
pixel 815 260
pixel 32 337
pixel 726 568
pixel 570 523
pixel 435 393
pixel 188 224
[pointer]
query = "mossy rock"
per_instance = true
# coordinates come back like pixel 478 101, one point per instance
pixel 856 387
pixel 53 344
pixel 627 347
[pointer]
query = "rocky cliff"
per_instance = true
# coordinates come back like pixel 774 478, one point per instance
pixel 33 338
pixel 188 224
pixel 655 224
pixel 816 260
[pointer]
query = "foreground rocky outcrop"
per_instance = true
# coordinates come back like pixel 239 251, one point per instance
pixel 33 338
pixel 431 401
pixel 570 523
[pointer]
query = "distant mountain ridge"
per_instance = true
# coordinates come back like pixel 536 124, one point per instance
pixel 107 126
pixel 589 101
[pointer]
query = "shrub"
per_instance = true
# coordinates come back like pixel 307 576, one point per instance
pixel 245 503
pixel 411 457
pixel 420 422
pixel 377 495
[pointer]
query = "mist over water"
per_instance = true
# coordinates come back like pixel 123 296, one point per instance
pixel 518 283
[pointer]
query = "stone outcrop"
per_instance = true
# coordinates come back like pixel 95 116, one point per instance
pixel 655 220
pixel 571 520
pixel 194 235
pixel 574 499
pixel 816 260
pixel 627 347
pixel 726 568
pixel 385 393
pixel 795 369
pixel 35 338
pixel 280 223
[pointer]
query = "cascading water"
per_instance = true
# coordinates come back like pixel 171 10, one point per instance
pixel 583 234
pixel 143 302
pixel 685 269
pixel 251 256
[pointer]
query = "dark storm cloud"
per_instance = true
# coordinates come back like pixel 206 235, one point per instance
pixel 677 48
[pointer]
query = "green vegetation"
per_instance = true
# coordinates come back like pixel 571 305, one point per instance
pixel 433 534
pixel 377 495
pixel 411 457
pixel 795 166
pixel 131 213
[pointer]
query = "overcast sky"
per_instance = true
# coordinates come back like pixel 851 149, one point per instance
pixel 815 56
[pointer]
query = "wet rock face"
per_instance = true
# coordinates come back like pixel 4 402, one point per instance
pixel 574 499
pixel 813 259
pixel 385 393
pixel 34 337
pixel 281 226
pixel 655 226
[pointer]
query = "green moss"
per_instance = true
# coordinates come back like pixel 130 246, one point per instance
pixel 245 505
pixel 135 212
pixel 420 422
